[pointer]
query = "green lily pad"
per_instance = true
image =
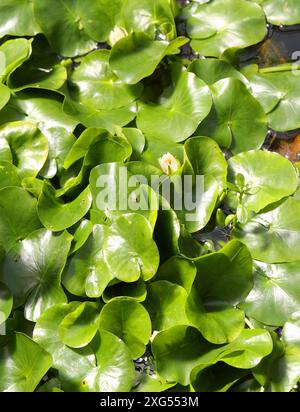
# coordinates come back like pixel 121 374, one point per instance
pixel 222 24
pixel 178 113
pixel 260 186
pixel 237 120
pixel 16 222
pixel 129 320
pixel 281 12
pixel 275 295
pixel 28 146
pixel 17 18
pixel 39 258
pixel 100 87
pixel 179 271
pixel 273 236
pixel 23 363
pixel 129 249
pixel 56 215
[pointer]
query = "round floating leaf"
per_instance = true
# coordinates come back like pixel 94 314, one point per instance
pixel 244 352
pixel 79 327
pixel 8 175
pixel 177 270
pixel 260 185
pixel 237 120
pixel 23 363
pixel 94 84
pixel 222 24
pixel 276 294
pixel 64 24
pixel 128 320
pixel 17 18
pixel 273 236
pixel 13 53
pixel 278 93
pixel 6 303
pixel 18 216
pixel 129 249
pixel 281 12
pixel 56 215
pixel 178 113
pixel 166 304
pixel 223 280
pixel 213 70
pixel 28 145
pixel 86 272
pixel 138 47
pixel 115 369
pixel 32 271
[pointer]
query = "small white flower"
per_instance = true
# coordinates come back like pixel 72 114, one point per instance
pixel 169 164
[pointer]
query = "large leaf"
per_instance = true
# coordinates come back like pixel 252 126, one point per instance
pixel 179 271
pixel 223 280
pixel 260 186
pixel 86 272
pixel 32 271
pixel 223 24
pixel 56 215
pixel 94 84
pixel 17 18
pixel 245 352
pixel 129 249
pixel 281 12
pixel 179 111
pixel 278 93
pixel 275 295
pixel 128 320
pixel 28 145
pixel 16 222
pixel 237 120
pixel 23 363
pixel 273 236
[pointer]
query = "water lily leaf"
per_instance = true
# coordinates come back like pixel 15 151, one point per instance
pixel 81 233
pixel 115 369
pixel 87 273
pixel 273 236
pixel 17 18
pixel 129 320
pixel 222 24
pixel 4 95
pixel 9 175
pixel 28 145
pixel 64 358
pixel 39 259
pixel 93 84
pixel 16 222
pixel 178 270
pixel 278 94
pixel 280 371
pixel 213 70
pixel 260 186
pixel 166 304
pixel 13 53
pixel 216 378
pixel 281 12
pixel 129 249
pixel 140 47
pixel 206 158
pixel 137 140
pixel 23 363
pixel 245 352
pixel 275 295
pixel 134 290
pixel 79 327
pixel 106 119
pixel 6 302
pixel 236 121
pixel 179 112
pixel 63 22
pixel 56 215
pixel 223 280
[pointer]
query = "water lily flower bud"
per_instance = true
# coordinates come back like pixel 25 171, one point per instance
pixel 169 164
